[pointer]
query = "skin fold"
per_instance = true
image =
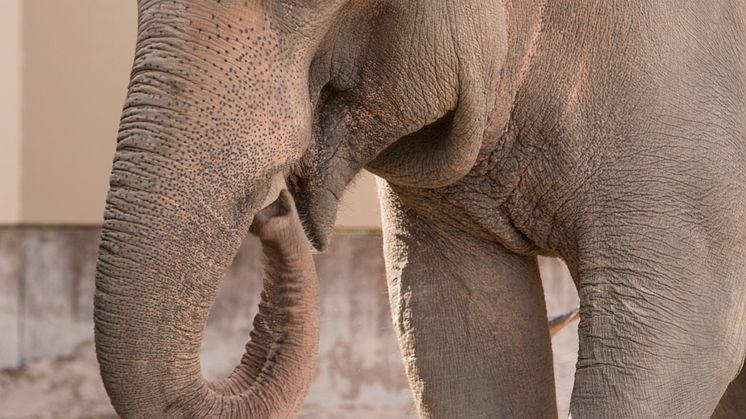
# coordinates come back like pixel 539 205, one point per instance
pixel 610 134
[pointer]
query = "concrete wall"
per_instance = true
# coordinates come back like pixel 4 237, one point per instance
pixel 10 299
pixel 63 80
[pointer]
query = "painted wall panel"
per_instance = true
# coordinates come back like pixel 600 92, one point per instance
pixel 77 58
pixel 75 75
pixel 10 111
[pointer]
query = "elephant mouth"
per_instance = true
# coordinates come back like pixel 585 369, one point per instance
pixel 316 210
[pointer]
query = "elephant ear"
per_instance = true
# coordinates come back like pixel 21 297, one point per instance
pixel 440 153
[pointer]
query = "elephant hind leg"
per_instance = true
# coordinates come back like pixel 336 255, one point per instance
pixel 733 403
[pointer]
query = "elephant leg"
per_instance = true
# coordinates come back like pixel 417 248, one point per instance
pixel 470 318
pixel 733 403
pixel 662 320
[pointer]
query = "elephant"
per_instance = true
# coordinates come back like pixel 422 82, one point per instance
pixel 609 134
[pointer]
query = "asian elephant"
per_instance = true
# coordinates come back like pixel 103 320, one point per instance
pixel 610 134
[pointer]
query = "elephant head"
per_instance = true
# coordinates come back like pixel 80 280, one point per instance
pixel 224 96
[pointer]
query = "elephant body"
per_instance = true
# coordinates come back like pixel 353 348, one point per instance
pixel 612 135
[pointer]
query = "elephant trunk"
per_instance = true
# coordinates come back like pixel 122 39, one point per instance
pixel 284 343
pixel 196 152
pixel 149 346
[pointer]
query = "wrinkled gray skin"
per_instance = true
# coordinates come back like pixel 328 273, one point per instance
pixel 611 134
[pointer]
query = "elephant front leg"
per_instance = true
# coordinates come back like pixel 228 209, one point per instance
pixel 471 321
pixel 662 309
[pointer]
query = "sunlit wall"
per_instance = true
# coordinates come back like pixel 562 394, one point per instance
pixel 63 80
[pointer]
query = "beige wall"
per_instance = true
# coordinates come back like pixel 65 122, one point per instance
pixel 76 68
pixel 10 114
pixel 359 208
pixel 77 56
